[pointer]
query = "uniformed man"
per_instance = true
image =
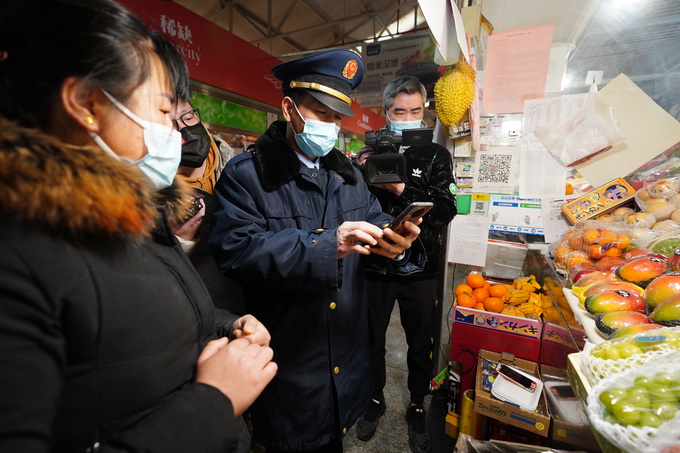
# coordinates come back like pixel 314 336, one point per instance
pixel 293 223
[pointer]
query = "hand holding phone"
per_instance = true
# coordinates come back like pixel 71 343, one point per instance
pixel 411 213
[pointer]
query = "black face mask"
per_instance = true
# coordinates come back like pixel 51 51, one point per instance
pixel 195 145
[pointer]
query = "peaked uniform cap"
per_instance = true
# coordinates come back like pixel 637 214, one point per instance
pixel 329 76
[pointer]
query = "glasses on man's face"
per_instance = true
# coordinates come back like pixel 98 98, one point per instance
pixel 190 118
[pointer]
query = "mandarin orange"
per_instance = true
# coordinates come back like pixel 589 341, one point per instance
pixel 497 290
pixel 465 300
pixel 463 288
pixel 475 280
pixel 494 304
pixel 480 294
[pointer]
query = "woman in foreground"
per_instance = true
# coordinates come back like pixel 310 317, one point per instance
pixel 108 339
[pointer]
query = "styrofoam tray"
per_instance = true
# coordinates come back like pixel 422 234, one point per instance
pixel 583 317
pixel 509 392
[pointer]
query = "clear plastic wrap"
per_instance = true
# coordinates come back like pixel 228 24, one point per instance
pixel 628 352
pixel 590 130
pixel 632 408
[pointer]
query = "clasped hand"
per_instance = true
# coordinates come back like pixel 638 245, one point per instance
pixel 240 366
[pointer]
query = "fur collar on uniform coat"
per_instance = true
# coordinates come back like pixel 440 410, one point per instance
pixel 77 191
pixel 278 165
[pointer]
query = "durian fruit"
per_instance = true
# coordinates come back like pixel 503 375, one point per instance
pixel 454 92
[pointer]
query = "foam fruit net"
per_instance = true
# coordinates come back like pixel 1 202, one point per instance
pixel 632 438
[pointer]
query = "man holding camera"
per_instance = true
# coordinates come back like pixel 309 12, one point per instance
pixel 429 177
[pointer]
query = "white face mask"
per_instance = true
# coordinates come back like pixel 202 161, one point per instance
pixel 163 143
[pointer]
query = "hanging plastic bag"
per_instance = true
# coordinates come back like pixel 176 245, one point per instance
pixel 587 132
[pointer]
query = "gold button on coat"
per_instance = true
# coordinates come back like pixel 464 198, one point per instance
pixel 332 305
pixel 344 431
pixel 336 370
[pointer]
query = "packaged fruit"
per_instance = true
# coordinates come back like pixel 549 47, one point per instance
pixel 603 287
pixel 608 323
pixel 594 277
pixel 627 352
pixel 615 301
pixel 661 288
pixel 666 244
pixel 633 408
pixel 642 270
pixel 635 329
pixel 667 312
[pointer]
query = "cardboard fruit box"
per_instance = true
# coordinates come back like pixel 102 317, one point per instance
pixel 537 422
pixel 599 201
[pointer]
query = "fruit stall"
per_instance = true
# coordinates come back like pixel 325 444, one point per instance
pixel 602 306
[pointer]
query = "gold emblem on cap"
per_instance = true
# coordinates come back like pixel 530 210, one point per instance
pixel 350 69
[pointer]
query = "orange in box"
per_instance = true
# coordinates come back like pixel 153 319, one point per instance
pixel 599 201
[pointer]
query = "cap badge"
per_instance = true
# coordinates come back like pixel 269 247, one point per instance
pixel 350 69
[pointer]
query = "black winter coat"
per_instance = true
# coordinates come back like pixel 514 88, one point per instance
pixel 275 233
pixel 429 177
pixel 101 315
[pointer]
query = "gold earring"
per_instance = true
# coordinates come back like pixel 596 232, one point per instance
pixel 89 120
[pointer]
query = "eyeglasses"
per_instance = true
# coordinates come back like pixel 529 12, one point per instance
pixel 190 118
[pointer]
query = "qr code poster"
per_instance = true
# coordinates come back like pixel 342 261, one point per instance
pixel 496 168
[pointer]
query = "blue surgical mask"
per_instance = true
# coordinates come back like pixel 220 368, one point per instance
pixel 398 126
pixel 163 144
pixel 318 137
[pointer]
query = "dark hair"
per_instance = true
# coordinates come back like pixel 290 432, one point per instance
pixel 48 41
pixel 406 84
pixel 177 66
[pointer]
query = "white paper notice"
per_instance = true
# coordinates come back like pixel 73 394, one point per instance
pixel 554 223
pixel 540 174
pixel 468 235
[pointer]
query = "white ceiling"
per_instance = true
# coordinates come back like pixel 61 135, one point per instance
pixel 639 38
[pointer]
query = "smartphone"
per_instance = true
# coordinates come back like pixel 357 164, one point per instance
pixel 412 213
pixel 193 208
pixel 516 377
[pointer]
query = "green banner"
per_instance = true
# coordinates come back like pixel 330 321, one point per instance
pixel 354 144
pixel 224 113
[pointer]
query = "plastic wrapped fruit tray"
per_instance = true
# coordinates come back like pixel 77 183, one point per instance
pixel 628 437
pixel 597 368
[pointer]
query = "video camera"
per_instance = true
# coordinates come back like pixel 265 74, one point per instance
pixel 387 165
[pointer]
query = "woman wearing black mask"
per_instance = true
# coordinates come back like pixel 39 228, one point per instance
pixel 203 158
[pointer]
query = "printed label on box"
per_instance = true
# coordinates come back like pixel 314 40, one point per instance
pixel 599 201
pixel 495 321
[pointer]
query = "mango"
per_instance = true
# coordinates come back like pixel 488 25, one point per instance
pixel 615 300
pixel 661 288
pixel 609 323
pixel 642 270
pixel 667 312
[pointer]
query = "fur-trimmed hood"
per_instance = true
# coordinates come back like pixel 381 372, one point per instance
pixel 77 191
pixel 277 162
